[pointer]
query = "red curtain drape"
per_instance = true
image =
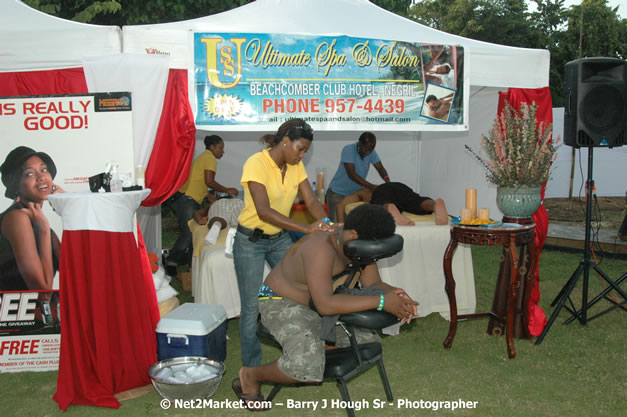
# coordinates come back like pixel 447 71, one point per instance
pixel 173 151
pixel 542 98
pixel 33 83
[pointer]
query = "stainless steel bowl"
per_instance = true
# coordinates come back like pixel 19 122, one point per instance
pixel 186 391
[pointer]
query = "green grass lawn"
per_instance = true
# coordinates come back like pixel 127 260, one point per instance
pixel 576 371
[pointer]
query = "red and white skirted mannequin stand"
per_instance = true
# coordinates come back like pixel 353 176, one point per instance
pixel 109 308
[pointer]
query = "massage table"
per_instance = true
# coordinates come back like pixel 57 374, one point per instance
pixel 418 269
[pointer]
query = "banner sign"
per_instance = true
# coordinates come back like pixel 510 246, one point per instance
pixel 244 81
pixel 79 134
pixel 30 331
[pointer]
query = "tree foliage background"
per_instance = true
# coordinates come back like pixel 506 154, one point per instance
pixel 551 26
pixel 589 29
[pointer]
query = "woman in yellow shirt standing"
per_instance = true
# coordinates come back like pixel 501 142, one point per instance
pixel 189 197
pixel 271 178
pixel 215 145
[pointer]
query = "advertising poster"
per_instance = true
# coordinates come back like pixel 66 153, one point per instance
pixel 49 144
pixel 30 329
pixel 250 81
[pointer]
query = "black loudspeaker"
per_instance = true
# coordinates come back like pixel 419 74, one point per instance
pixel 595 112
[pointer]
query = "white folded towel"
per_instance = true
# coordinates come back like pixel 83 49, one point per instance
pixel 213 233
pixel 230 238
pixel 392 330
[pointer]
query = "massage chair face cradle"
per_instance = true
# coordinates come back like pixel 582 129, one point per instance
pixel 363 253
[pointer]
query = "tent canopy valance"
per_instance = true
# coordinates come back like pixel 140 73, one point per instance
pixel 492 65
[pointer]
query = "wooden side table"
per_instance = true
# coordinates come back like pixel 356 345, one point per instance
pixel 512 239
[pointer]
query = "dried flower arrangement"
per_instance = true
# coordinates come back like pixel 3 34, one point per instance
pixel 519 150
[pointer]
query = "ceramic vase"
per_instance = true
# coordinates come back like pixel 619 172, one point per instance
pixel 518 202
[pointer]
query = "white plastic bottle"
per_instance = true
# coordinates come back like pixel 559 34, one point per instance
pixel 116 181
pixel 322 196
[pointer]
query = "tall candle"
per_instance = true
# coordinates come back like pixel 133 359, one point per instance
pixel 471 201
pixel 140 175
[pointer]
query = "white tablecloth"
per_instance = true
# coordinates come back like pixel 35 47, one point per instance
pixel 98 211
pixel 417 268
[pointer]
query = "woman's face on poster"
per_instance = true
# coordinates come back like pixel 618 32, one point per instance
pixel 35 181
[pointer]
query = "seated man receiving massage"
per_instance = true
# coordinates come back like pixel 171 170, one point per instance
pixel 304 276
pixel 397 197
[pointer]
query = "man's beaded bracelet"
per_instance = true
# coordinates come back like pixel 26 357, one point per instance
pixel 381 301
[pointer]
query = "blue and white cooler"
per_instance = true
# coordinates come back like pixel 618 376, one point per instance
pixel 193 330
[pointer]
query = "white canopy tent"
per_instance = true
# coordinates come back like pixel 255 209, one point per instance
pixel 433 163
pixel 32 40
pixel 492 65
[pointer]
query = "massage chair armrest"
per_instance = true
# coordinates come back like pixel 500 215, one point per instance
pixel 369 319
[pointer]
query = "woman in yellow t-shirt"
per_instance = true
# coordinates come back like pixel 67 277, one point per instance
pixel 215 145
pixel 189 197
pixel 271 178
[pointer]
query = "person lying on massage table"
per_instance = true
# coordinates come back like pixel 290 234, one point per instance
pixel 304 275
pixel 397 197
pixel 218 214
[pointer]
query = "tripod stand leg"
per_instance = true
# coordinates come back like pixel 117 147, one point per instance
pixel 612 286
pixel 565 293
pixel 574 277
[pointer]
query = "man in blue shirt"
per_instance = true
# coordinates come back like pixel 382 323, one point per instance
pixel 353 169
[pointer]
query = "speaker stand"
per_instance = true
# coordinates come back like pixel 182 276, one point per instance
pixel 584 269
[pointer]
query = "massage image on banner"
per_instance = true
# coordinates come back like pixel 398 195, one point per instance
pixel 49 144
pixel 257 81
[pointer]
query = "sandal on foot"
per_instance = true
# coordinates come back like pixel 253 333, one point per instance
pixel 250 400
